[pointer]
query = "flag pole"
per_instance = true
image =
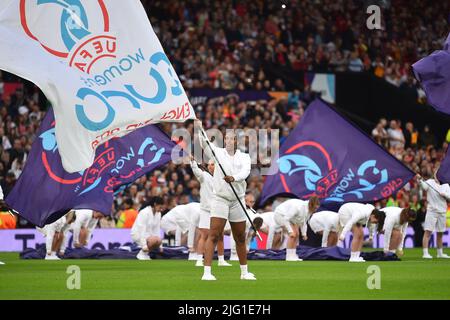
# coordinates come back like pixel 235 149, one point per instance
pixel 229 183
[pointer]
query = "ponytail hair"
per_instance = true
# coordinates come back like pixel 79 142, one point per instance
pixel 381 217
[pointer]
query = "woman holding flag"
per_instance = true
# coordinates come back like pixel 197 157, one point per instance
pixel 225 205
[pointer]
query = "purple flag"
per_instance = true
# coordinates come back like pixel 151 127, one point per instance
pixel 45 191
pixel 328 157
pixel 433 72
pixel 443 173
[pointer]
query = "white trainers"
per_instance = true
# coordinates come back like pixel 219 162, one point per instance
pixel 192 256
pixel 143 256
pixel 224 264
pixel 248 276
pixel 293 258
pixel 234 257
pixel 1 263
pixel 427 256
pixel 51 257
pixel 358 259
pixel 208 277
pixel 199 263
pixel 443 256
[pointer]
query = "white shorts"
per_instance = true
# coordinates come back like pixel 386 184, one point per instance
pixel 205 219
pixel 344 217
pixel 315 225
pixel 168 225
pixel 229 210
pixel 281 221
pixel 435 222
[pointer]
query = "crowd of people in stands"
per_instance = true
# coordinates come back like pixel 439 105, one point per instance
pixel 256 45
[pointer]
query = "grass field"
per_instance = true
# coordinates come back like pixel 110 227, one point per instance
pixel 412 278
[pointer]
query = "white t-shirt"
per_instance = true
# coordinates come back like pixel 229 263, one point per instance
pixel 435 202
pixel 356 213
pixel 295 211
pixel 391 222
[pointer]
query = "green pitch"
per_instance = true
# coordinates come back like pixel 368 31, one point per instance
pixel 412 278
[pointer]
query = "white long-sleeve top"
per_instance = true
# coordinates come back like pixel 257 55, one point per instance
pixel 206 186
pixel 391 222
pixel 435 202
pixel 328 221
pixel 269 226
pixel 358 212
pixel 181 214
pixel 85 220
pixel 238 166
pixel 295 211
pixel 147 224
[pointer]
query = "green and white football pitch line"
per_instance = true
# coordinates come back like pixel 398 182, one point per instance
pixel 411 278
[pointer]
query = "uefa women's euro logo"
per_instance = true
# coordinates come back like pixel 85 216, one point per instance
pixel 311 160
pixel 81 37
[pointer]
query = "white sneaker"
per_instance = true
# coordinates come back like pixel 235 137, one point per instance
pixel 143 256
pixel 293 258
pixel 224 264
pixel 199 263
pixel 248 276
pixel 234 257
pixel 443 256
pixel 1 263
pixel 208 277
pixel 192 256
pixel 52 257
pixel 359 259
pixel 427 256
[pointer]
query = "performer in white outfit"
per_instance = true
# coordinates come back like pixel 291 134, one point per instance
pixel 55 234
pixel 326 223
pixel 435 220
pixel 147 227
pixel 225 206
pixel 394 228
pixel 289 216
pixel 206 194
pixel 178 220
pixel 84 225
pixel 265 222
pixel 354 217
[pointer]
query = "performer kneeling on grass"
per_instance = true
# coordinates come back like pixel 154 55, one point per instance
pixel 84 225
pixel 176 223
pixel 355 216
pixel 146 228
pixel 437 197
pixel 326 223
pixel 205 177
pixel 289 216
pixel 224 205
pixel 394 229
pixel 56 234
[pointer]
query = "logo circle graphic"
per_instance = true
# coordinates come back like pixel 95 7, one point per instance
pixel 53 51
pixel 302 144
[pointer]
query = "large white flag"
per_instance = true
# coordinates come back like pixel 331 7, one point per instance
pixel 100 64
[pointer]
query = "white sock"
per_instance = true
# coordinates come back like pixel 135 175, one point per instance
pixel 425 251
pixel 53 253
pixel 440 252
pixel 207 270
pixel 221 258
pixel 354 255
pixel 200 257
pixel 290 252
pixel 357 254
pixel 244 269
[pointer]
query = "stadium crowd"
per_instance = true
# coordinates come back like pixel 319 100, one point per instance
pixel 229 45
